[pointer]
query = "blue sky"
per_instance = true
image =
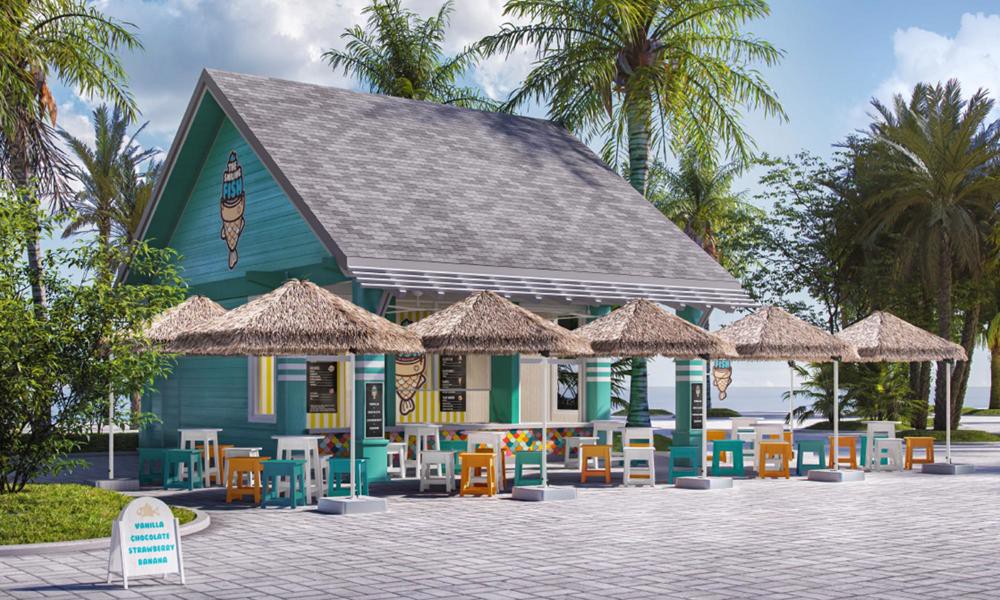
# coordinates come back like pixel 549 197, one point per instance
pixel 838 55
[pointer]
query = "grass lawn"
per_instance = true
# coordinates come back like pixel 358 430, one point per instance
pixel 723 413
pixel 957 436
pixel 844 426
pixel 981 412
pixel 61 512
pixel 653 412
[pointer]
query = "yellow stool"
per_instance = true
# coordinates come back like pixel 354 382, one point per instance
pixel 597 452
pixel 220 455
pixel 474 480
pixel 714 435
pixel 240 469
pixel 913 443
pixel 782 450
pixel 844 441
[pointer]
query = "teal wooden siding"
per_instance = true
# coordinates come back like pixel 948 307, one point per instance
pixel 275 236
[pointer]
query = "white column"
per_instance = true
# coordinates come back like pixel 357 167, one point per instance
pixel 835 451
pixel 947 413
pixel 545 423
pixel 704 418
pixel 111 435
pixel 791 395
pixel 353 406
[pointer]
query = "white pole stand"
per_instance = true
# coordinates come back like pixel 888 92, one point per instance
pixel 703 481
pixel 836 474
pixel 947 467
pixel 352 504
pixel 544 492
pixel 117 484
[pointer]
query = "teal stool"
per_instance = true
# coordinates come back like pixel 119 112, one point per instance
pixel 176 460
pixel 456 446
pixel 151 466
pixel 340 468
pixel 817 447
pixel 527 457
pixel 684 461
pixel 720 447
pixel 274 470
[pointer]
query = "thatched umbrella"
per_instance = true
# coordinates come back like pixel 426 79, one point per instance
pixel 187 316
pixel 299 318
pixel 884 337
pixel 487 323
pixel 642 328
pixel 772 333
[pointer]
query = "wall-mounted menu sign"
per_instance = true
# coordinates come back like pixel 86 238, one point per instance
pixel 452 383
pixel 321 387
pixel 373 410
pixel 697 401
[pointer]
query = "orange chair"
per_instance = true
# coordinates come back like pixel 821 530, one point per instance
pixel 845 441
pixel 714 435
pixel 597 453
pixel 478 474
pixel 243 477
pixel 781 450
pixel 915 443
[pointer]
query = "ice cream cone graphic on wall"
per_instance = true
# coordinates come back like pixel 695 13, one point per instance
pixel 232 206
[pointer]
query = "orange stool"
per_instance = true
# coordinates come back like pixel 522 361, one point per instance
pixel 503 457
pixel 913 443
pixel 478 473
pixel 713 435
pixel 220 455
pixel 782 450
pixel 845 441
pixel 597 452
pixel 244 469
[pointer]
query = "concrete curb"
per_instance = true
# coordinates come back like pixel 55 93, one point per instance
pixel 200 523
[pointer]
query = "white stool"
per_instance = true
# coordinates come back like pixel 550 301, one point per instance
pixel 209 439
pixel 307 445
pixel 428 437
pixel 441 461
pixel 397 449
pixel 637 446
pixel 890 449
pixel 571 459
pixel 874 431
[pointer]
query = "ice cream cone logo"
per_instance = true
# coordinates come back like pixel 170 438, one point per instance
pixel 722 375
pixel 409 379
pixel 232 206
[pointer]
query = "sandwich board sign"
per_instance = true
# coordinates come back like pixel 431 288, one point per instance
pixel 145 541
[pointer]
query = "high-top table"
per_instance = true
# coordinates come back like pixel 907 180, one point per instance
pixel 881 429
pixel 209 439
pixel 428 435
pixel 609 429
pixel 308 445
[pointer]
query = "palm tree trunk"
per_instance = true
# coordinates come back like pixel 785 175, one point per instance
pixel 920 380
pixel 960 382
pixel 638 399
pixel 21 175
pixel 995 378
pixel 944 315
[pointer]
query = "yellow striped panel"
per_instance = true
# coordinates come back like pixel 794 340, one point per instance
pixel 265 385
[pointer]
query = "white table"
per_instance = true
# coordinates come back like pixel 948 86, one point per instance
pixel 444 462
pixel 424 432
pixel 209 439
pixel 494 440
pixel 609 429
pixel 289 446
pixel 884 429
pixel 765 432
pixel 572 443
pixel 237 452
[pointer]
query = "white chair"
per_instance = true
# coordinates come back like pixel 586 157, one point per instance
pixel 444 463
pixel 571 449
pixel 397 449
pixel 890 449
pixel 493 440
pixel 638 448
pixel 291 447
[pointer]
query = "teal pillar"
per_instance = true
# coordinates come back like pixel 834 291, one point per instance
pixel 368 368
pixel 687 372
pixel 505 389
pixel 289 399
pixel 598 380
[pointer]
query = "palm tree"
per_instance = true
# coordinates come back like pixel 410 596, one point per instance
pixel 939 154
pixel 400 54
pixel 76 43
pixel 991 339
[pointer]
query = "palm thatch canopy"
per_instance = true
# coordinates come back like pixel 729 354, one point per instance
pixel 187 316
pixel 643 328
pixel 884 337
pixel 486 323
pixel 297 318
pixel 772 333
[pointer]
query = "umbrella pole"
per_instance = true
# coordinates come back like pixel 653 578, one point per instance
pixel 545 424
pixel 111 435
pixel 947 412
pixel 835 451
pixel 791 395
pixel 351 391
pixel 704 419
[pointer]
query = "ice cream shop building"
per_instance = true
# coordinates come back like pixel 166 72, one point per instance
pixel 404 207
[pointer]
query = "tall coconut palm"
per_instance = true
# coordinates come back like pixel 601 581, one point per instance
pixel 940 155
pixel 399 54
pixel 75 43
pixel 991 339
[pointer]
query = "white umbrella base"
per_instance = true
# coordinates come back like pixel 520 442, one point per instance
pixel 947 469
pixel 704 483
pixel 836 476
pixel 118 484
pixel 541 493
pixel 359 505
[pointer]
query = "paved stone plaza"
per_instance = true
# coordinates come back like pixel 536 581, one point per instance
pixel 896 535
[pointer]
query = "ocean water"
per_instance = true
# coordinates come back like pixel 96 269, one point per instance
pixel 769 399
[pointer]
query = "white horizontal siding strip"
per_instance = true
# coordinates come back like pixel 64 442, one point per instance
pixel 291 366
pixel 291 377
pixel 690 378
pixel 598 379
pixel 369 376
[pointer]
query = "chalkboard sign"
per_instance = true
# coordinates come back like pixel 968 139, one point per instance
pixel 373 410
pixel 697 402
pixel 321 387
pixel 452 383
pixel 568 390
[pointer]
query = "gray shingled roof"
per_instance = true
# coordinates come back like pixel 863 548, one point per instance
pixel 404 180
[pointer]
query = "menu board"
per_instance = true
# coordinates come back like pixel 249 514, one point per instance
pixel 697 402
pixel 452 383
pixel 373 410
pixel 321 387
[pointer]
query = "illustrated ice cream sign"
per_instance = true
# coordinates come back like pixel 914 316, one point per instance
pixel 232 207
pixel 145 540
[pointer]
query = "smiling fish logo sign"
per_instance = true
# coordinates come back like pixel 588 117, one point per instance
pixel 232 207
